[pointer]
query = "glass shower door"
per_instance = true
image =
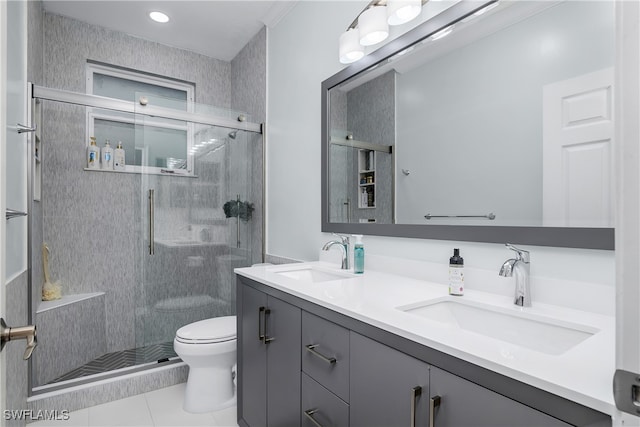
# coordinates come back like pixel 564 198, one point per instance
pixel 201 192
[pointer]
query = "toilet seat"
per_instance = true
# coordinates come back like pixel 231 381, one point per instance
pixel 208 331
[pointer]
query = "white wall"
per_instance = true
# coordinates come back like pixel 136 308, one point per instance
pixel 302 52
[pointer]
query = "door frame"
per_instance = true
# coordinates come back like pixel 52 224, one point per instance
pixel 3 139
pixel 627 229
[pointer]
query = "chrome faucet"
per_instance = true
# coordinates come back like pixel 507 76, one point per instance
pixel 519 267
pixel 344 245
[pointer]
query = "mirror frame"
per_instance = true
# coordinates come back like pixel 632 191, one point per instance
pixel 569 237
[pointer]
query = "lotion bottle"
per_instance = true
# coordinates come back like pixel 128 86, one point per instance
pixel 118 157
pixel 456 274
pixel 358 255
pixel 107 156
pixel 93 155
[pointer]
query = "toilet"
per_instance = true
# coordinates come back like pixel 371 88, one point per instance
pixel 208 347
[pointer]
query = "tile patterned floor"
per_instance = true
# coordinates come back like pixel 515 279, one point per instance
pixel 121 359
pixel 161 407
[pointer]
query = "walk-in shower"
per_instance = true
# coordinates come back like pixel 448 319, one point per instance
pixel 142 251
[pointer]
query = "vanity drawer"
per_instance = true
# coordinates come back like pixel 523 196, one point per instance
pixel 324 407
pixel 325 353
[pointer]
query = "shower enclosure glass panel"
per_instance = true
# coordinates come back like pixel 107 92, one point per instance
pixel 196 227
pixel 121 305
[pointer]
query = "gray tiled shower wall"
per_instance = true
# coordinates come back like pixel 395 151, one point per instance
pixel 94 223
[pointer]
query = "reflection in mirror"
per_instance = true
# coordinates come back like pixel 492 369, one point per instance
pixel 506 121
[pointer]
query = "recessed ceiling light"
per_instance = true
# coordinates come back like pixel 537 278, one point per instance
pixel 159 17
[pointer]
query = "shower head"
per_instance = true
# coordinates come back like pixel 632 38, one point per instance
pixel 233 134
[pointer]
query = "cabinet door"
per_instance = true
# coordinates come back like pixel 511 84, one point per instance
pixel 382 386
pixel 282 327
pixel 463 403
pixel 252 366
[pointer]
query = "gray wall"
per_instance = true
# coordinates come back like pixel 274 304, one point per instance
pixel 93 222
pixel 470 122
pixel 249 94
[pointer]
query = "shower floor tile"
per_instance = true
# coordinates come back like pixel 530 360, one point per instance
pixel 121 359
pixel 156 408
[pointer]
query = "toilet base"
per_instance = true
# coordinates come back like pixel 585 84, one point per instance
pixel 209 389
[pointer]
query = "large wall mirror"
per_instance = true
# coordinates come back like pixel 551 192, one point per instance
pixel 489 122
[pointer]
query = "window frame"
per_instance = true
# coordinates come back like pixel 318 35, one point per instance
pixel 136 76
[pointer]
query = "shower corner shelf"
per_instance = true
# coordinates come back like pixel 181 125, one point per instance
pixel 366 179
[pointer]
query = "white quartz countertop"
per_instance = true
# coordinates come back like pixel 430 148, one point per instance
pixel 583 373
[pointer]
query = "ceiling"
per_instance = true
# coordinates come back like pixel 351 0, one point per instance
pixel 216 28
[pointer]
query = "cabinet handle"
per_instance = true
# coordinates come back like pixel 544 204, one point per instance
pixel 311 348
pixel 265 338
pixel 434 402
pixel 415 392
pixel 260 315
pixel 309 414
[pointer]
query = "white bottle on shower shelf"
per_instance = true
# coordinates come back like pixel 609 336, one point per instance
pixel 118 157
pixel 93 155
pixel 107 156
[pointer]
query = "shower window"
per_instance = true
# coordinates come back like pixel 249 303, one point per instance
pixel 172 140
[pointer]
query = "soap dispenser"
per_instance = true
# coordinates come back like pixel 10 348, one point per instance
pixel 358 255
pixel 107 156
pixel 456 274
pixel 118 157
pixel 93 155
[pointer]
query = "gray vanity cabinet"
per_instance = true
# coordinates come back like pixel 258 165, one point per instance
pixel 304 365
pixel 269 360
pixel 388 388
pixel 463 403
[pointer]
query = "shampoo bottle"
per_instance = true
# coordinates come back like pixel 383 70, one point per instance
pixel 93 155
pixel 107 156
pixel 456 274
pixel 118 157
pixel 358 255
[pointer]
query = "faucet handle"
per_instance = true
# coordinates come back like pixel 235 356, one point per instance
pixel 343 238
pixel 522 255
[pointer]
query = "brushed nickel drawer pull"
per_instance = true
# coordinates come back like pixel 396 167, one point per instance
pixel 434 402
pixel 311 348
pixel 260 314
pixel 266 338
pixel 415 392
pixel 309 414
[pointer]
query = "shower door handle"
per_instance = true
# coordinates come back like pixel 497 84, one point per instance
pixel 23 332
pixel 151 222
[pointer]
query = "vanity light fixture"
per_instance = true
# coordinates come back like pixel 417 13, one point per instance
pixel 350 48
pixel 402 11
pixel 158 16
pixel 373 25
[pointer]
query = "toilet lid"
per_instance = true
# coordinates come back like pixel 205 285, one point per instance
pixel 205 331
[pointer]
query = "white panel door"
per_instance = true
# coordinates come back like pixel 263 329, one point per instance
pixel 578 151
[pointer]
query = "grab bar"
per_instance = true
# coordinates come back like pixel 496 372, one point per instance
pixel 151 223
pixel 12 213
pixel 490 216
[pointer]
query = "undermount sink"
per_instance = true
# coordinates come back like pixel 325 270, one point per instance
pixel 546 335
pixel 311 274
